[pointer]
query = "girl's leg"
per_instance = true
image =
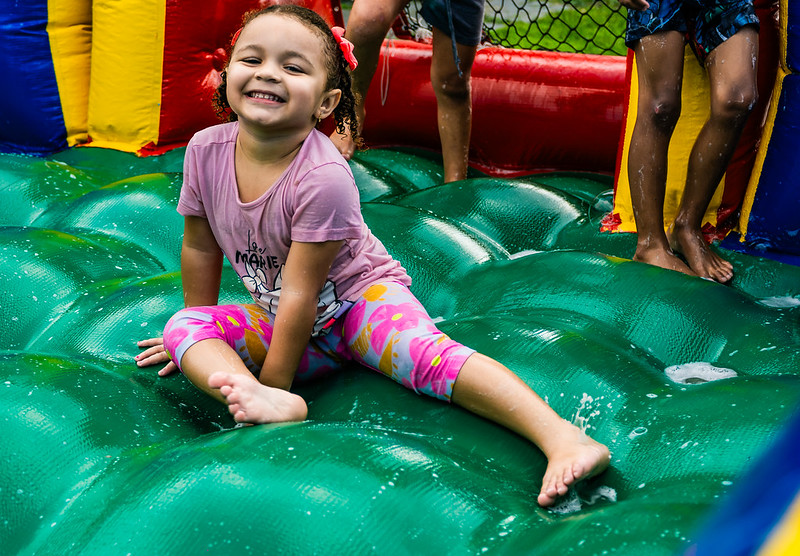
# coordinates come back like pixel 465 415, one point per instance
pixel 215 368
pixel 659 64
pixel 220 349
pixel 389 330
pixel 487 388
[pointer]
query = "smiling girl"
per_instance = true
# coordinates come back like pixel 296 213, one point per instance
pixel 274 196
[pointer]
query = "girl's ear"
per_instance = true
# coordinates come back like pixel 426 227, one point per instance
pixel 330 100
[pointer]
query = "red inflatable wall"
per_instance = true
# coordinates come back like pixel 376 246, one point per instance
pixel 532 110
pixel 195 52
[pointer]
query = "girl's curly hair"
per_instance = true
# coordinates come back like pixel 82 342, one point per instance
pixel 338 70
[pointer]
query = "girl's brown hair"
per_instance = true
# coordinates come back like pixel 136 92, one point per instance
pixel 337 68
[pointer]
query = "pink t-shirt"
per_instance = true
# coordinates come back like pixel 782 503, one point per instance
pixel 314 200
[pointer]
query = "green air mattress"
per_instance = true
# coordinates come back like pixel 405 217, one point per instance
pixel 687 381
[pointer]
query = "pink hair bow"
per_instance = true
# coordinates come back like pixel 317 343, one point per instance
pixel 236 37
pixel 346 46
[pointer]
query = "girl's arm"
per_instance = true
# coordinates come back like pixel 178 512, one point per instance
pixel 201 263
pixel 303 276
pixel 201 273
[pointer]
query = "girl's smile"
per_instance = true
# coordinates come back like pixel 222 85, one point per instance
pixel 258 95
pixel 277 76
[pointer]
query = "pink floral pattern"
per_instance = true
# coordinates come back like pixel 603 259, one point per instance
pixel 387 330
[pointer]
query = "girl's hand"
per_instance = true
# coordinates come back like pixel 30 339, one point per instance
pixel 155 354
pixel 639 5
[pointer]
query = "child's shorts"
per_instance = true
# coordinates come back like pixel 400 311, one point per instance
pixel 387 329
pixel 707 23
pixel 467 19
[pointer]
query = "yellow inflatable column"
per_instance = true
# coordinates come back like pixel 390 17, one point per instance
pixel 69 29
pixel 127 55
pixel 695 109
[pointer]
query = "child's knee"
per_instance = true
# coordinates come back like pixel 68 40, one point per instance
pixel 174 330
pixel 452 86
pixel 436 361
pixel 735 102
pixel 663 111
pixel 370 22
pixel 183 325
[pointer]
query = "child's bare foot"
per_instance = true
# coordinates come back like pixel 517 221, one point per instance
pixel 249 401
pixel 575 457
pixel 702 260
pixel 661 257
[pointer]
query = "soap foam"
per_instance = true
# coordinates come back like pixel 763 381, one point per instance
pixel 573 502
pixel 785 301
pixel 697 372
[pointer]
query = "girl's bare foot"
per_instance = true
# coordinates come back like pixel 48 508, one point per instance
pixel 662 257
pixel 702 260
pixel 574 457
pixel 249 401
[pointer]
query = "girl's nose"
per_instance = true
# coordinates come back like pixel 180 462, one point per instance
pixel 267 72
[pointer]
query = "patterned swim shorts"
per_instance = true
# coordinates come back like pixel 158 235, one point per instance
pixel 706 23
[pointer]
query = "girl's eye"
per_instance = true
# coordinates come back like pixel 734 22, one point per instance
pixel 294 69
pixel 251 60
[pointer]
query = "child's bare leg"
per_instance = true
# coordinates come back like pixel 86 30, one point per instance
pixel 490 390
pixel 453 102
pixel 367 25
pixel 215 368
pixel 732 75
pixel 659 63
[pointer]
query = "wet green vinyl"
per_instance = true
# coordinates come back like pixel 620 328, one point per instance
pixel 101 457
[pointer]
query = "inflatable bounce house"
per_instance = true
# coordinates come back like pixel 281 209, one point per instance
pixel 692 384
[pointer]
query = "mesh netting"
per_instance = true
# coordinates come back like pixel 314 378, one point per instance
pixel 588 26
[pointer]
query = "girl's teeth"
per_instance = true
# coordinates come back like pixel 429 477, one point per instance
pixel 265 96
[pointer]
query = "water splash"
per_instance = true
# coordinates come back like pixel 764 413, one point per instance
pixel 780 302
pixel 638 431
pixel 582 421
pixel 697 372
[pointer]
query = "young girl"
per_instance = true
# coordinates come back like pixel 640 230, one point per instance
pixel 273 195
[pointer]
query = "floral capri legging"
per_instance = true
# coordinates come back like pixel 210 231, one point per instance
pixel 386 329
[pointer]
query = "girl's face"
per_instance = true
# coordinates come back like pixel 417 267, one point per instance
pixel 277 76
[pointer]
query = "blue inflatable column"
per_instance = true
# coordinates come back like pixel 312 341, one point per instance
pixel 31 120
pixel 771 211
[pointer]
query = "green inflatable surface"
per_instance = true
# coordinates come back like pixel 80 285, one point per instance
pixel 686 380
